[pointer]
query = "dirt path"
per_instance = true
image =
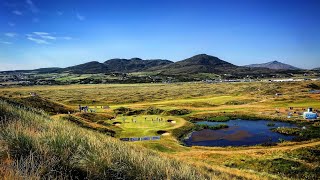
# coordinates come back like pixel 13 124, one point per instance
pixel 288 147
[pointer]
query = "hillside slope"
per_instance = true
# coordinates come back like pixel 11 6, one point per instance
pixel 274 65
pixel 116 65
pixel 87 68
pixel 134 64
pixel 34 146
pixel 201 63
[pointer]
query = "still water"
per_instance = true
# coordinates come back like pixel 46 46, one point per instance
pixel 240 133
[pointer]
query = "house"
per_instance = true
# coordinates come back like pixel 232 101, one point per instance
pixel 310 115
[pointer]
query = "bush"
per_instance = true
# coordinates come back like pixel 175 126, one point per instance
pixel 177 112
pixel 287 130
pixel 199 127
pixel 153 110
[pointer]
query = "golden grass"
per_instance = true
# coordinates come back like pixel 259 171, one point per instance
pixel 45 148
pixel 257 99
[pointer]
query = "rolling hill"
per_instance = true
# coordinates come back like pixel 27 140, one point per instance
pixel 201 63
pixel 274 65
pixel 116 65
pixel 87 68
pixel 134 64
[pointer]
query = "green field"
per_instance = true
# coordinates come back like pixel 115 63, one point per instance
pixel 139 110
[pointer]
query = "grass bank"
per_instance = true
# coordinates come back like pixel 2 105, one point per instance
pixel 40 148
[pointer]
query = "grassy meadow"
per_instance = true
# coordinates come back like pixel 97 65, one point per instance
pixel 62 142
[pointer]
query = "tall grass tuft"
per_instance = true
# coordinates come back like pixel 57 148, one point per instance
pixel 41 148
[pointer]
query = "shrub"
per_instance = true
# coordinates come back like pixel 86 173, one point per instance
pixel 177 112
pixel 287 130
pixel 199 127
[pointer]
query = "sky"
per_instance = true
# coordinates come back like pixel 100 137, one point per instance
pixel 61 33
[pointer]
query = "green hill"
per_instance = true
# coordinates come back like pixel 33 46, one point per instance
pixel 134 64
pixel 92 67
pixel 201 63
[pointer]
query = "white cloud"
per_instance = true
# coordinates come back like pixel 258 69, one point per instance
pixel 67 38
pixel 16 12
pixel 10 34
pixel 6 42
pixel 11 24
pixel 37 40
pixel 44 37
pixel 80 17
pixel 40 33
pixel 31 6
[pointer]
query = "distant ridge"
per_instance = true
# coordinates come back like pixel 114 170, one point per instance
pixel 87 68
pixel 201 63
pixel 134 64
pixel 274 65
pixel 116 65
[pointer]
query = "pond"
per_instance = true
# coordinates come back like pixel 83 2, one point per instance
pixel 239 133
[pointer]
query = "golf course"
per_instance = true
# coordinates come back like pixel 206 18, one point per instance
pixel 130 115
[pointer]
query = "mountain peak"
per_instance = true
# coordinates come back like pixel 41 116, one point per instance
pixel 204 56
pixel 201 63
pixel 274 65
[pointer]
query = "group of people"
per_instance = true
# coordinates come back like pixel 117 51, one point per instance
pixel 157 119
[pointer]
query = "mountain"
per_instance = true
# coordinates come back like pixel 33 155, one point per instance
pixel 134 64
pixel 87 68
pixel 201 63
pixel 116 65
pixel 316 69
pixel 274 65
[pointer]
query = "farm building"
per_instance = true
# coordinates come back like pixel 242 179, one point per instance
pixel 309 114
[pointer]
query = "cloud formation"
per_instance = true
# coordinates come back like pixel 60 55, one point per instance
pixel 32 7
pixel 80 17
pixel 37 40
pixel 44 37
pixel 10 34
pixel 67 38
pixel 11 24
pixel 16 12
pixel 6 42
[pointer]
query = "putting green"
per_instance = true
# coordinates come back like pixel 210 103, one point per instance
pixel 146 125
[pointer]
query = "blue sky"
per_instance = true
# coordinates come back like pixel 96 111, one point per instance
pixel 60 33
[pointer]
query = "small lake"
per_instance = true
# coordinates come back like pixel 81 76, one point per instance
pixel 239 133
